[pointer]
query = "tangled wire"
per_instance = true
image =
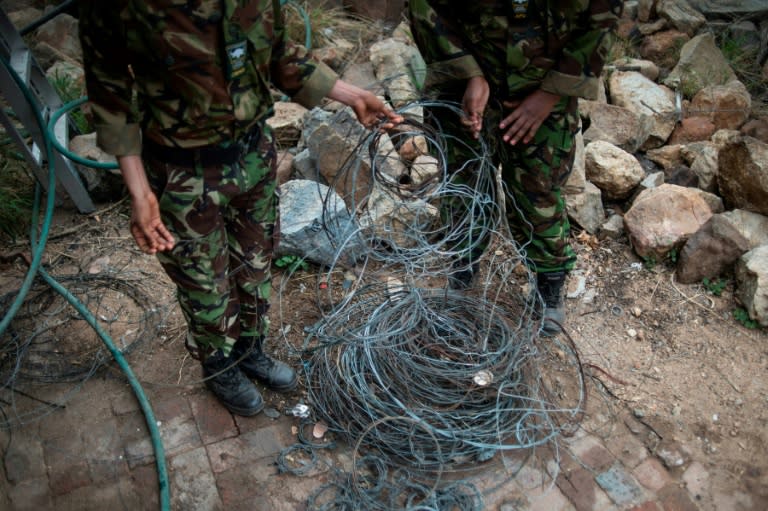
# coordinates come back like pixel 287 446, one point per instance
pixel 420 368
pixel 50 342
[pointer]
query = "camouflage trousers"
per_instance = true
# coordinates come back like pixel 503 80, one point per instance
pixel 224 219
pixel 534 175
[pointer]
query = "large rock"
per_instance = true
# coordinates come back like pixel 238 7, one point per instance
pixel 732 9
pixel 613 170
pixel 752 226
pixel 316 225
pixel 702 159
pixel 663 218
pixel 396 222
pixel 743 174
pixel 664 47
pixel 727 106
pixel 582 198
pixel 391 59
pixel 646 9
pixel 635 92
pixel 711 250
pixel 102 184
pixel 61 33
pixel 681 15
pixel 334 142
pixel 616 125
pixel 586 208
pixel 701 65
pixel 756 128
pixel 646 68
pixel 752 283
pixel 287 123
pixel 667 157
pixel 692 129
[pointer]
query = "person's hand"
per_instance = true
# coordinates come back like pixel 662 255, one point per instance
pixel 527 116
pixel 147 228
pixel 473 104
pixel 369 109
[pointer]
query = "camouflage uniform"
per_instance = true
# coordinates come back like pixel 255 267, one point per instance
pixel 200 70
pixel 558 46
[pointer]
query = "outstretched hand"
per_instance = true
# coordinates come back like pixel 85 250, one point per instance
pixel 527 116
pixel 369 109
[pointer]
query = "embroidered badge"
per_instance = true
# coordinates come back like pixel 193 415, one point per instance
pixel 236 55
pixel 520 8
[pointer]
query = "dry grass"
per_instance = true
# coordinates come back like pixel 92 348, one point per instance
pixel 328 24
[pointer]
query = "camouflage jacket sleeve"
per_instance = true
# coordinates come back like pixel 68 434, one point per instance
pixel 584 37
pixel 107 77
pixel 186 59
pixel 440 41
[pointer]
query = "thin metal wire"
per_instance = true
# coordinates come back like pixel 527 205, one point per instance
pixel 421 378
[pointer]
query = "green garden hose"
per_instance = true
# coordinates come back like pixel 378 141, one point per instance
pixel 38 247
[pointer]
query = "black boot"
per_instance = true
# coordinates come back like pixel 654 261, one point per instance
pixel 550 286
pixel 256 364
pixel 236 392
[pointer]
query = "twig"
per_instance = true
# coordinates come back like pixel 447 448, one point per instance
pixel 650 300
pixel 691 299
pixel 186 355
pixel 85 225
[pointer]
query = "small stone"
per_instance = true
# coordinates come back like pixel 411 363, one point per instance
pixel 271 413
pixel 632 333
pixel 637 311
pixel 637 412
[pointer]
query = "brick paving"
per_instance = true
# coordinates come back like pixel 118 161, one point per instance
pixel 95 454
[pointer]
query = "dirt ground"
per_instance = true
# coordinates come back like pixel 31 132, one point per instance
pixel 672 355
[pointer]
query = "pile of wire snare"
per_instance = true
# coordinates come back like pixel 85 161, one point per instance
pixel 421 373
pixel 48 341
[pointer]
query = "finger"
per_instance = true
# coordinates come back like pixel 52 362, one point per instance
pixel 511 104
pixel 141 240
pixel 165 235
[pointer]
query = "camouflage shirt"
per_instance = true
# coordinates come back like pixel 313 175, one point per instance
pixel 559 46
pixel 189 73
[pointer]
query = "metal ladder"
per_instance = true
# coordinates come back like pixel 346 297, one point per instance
pixel 46 100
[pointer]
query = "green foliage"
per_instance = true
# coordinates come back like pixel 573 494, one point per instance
pixel 291 263
pixel 69 90
pixel 715 287
pixel 649 262
pixel 742 316
pixel 673 255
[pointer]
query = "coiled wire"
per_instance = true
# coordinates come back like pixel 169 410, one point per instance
pixel 424 379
